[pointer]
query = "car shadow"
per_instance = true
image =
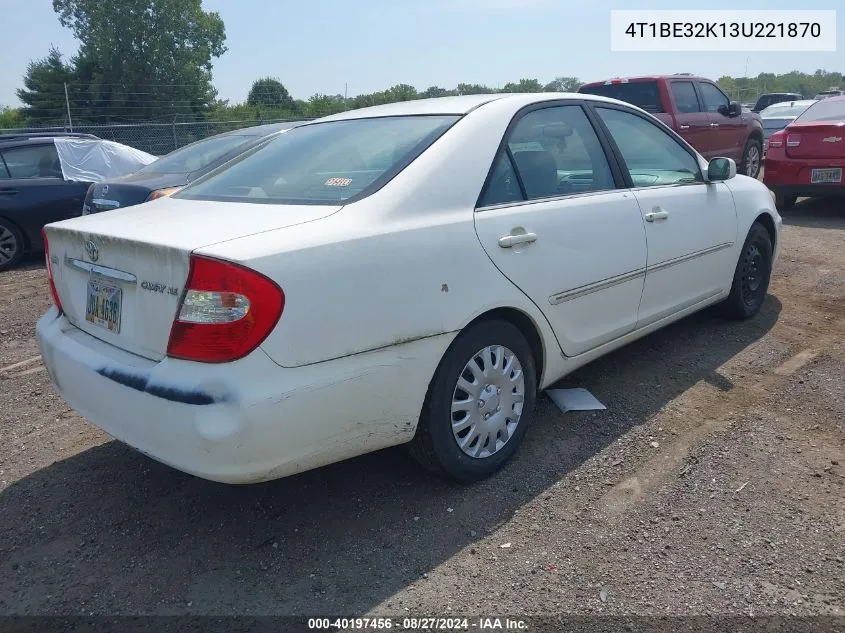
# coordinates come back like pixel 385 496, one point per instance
pixel 820 213
pixel 31 261
pixel 112 531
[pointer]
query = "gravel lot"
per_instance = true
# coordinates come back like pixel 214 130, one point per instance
pixel 712 484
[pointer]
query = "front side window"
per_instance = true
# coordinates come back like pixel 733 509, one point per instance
pixel 322 163
pixel 686 100
pixel 652 156
pixel 713 97
pixel 33 161
pixel 556 152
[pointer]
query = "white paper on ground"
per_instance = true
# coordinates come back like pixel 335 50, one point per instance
pixel 578 399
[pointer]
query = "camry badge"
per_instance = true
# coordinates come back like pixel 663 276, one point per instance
pixel 105 189
pixel 92 250
pixel 832 139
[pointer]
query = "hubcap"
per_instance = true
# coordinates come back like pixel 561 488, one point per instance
pixel 8 245
pixel 487 401
pixel 752 274
pixel 752 162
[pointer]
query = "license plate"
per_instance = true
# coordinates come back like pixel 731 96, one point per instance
pixel 818 176
pixel 103 305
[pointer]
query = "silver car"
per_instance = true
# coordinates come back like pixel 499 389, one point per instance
pixel 778 116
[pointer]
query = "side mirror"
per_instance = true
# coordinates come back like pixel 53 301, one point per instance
pixel 719 169
pixel 734 108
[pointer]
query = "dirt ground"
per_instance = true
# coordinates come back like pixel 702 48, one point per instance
pixel 712 484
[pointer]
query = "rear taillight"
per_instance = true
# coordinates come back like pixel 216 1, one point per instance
pixel 776 139
pixel 793 140
pixel 226 312
pixel 55 294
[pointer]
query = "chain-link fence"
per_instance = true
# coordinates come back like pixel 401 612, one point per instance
pixel 155 138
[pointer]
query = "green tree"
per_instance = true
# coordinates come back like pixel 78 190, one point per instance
pixel 435 91
pixel 43 94
pixel 563 84
pixel 11 118
pixel 524 85
pixel 270 93
pixel 142 59
pixel 473 89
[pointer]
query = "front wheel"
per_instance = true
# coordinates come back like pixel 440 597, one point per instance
pixel 479 404
pixel 752 158
pixel 752 275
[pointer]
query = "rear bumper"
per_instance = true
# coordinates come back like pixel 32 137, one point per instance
pixel 784 174
pixel 809 191
pixel 246 421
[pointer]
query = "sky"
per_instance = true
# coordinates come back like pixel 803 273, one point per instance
pixel 320 46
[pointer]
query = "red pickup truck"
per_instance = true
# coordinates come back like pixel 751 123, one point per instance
pixel 698 110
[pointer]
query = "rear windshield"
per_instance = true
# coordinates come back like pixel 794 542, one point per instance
pixel 824 111
pixel 198 155
pixel 323 163
pixel 643 94
pixel 783 111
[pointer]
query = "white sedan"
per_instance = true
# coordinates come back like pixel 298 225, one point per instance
pixel 408 273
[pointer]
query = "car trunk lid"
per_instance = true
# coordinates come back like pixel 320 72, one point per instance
pixel 815 140
pixel 128 191
pixel 120 276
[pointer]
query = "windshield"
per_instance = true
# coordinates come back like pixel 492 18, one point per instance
pixel 643 94
pixel 197 155
pixel 784 111
pixel 824 111
pixel 323 163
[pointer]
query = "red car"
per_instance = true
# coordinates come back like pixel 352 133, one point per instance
pixel 807 157
pixel 698 110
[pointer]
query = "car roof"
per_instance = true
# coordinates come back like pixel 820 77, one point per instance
pixel 458 105
pixel 7 140
pixel 791 104
pixel 681 76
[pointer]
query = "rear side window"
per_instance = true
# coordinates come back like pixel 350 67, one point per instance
pixel 323 163
pixel 556 152
pixel 643 94
pixel 33 161
pixel 686 100
pixel 824 111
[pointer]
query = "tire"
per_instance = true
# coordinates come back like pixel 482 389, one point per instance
pixel 752 275
pixel 435 444
pixel 784 202
pixel 11 245
pixel 752 158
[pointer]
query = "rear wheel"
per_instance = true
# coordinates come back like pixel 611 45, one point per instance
pixel 751 158
pixel 11 245
pixel 784 202
pixel 479 404
pixel 752 275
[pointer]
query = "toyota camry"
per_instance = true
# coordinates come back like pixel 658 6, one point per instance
pixel 408 273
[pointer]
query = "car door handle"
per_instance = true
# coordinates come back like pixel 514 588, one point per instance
pixel 684 127
pixel 656 214
pixel 510 240
pixel 714 125
pixel 8 191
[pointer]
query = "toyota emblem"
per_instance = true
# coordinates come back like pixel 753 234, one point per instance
pixel 92 250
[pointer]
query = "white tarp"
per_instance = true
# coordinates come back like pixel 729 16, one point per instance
pixel 95 160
